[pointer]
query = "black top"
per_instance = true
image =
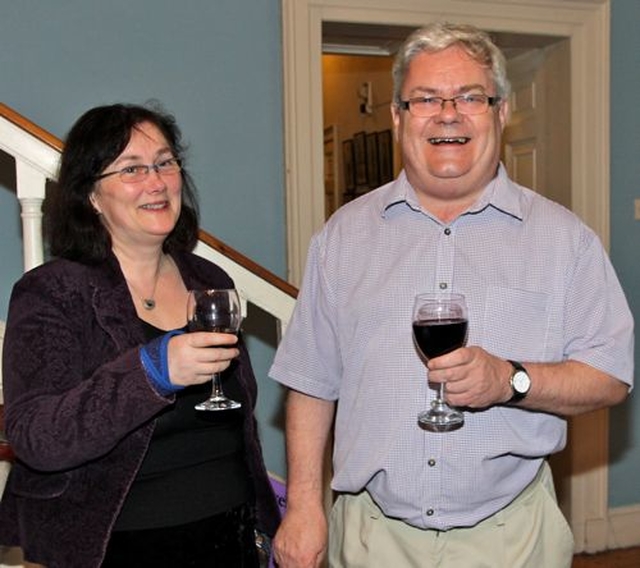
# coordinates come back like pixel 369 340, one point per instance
pixel 194 467
pixel 80 410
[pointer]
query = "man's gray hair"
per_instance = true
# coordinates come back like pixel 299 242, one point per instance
pixel 441 35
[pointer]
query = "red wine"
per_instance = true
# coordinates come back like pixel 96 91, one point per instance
pixel 438 337
pixel 196 325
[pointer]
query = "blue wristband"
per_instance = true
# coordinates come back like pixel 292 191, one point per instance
pixel 155 361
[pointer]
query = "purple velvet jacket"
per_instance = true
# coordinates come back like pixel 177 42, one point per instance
pixel 80 409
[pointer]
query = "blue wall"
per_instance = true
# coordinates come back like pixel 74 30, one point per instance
pixel 625 231
pixel 218 67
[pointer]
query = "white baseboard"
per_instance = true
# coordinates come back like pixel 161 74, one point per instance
pixel 624 527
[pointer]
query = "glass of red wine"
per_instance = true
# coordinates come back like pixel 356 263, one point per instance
pixel 440 324
pixel 215 310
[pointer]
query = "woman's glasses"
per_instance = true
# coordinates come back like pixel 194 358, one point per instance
pixel 139 172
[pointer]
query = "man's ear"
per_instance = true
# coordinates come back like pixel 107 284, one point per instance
pixel 504 113
pixel 395 118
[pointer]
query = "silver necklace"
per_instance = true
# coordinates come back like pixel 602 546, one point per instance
pixel 150 302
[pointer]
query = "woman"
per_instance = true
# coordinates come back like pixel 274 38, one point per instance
pixel 114 466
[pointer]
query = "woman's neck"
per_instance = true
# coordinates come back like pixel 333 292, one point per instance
pixel 143 273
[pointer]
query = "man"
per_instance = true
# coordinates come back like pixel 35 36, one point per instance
pixel 550 335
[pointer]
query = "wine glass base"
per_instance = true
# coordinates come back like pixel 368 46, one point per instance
pixel 218 404
pixel 440 422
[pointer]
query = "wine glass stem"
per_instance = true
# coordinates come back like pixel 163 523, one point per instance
pixel 441 395
pixel 216 388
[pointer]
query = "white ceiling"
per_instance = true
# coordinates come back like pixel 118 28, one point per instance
pixel 377 39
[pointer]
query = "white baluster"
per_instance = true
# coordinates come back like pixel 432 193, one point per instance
pixel 31 189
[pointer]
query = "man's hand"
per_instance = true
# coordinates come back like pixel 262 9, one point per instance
pixel 301 540
pixel 473 378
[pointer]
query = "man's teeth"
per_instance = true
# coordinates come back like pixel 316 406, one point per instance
pixel 460 140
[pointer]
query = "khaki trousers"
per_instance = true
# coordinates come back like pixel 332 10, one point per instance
pixel 531 532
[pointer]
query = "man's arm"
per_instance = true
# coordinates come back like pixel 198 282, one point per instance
pixel 477 379
pixel 570 388
pixel 301 540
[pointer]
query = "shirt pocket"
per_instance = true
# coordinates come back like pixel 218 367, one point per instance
pixel 515 323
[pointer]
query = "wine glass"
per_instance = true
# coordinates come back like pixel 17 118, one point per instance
pixel 215 310
pixel 440 324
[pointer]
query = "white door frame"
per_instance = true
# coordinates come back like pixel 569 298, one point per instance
pixel 587 24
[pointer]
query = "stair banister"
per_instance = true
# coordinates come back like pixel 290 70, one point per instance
pixel 37 155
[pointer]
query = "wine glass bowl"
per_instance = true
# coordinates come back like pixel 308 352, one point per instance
pixel 440 323
pixel 215 310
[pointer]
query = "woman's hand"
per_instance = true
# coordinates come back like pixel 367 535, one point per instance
pixel 194 357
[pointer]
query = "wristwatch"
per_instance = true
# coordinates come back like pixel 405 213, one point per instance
pixel 520 382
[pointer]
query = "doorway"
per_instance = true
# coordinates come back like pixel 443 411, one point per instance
pixel 586 27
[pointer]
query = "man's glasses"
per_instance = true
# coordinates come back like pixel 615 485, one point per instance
pixel 139 172
pixel 425 107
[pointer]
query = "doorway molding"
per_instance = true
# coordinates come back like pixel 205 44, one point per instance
pixel 587 25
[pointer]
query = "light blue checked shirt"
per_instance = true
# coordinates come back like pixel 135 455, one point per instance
pixel 540 288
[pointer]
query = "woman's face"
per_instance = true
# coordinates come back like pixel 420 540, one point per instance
pixel 142 212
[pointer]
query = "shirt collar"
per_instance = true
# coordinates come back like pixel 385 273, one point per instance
pixel 501 193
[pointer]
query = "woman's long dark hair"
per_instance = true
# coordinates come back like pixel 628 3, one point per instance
pixel 71 225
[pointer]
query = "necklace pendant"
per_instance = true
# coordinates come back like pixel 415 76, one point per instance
pixel 148 303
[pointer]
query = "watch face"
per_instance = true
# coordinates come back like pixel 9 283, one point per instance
pixel 521 382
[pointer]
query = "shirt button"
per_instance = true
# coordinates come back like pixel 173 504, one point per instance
pixel 443 285
pixel 447 231
pixel 430 512
pixel 431 462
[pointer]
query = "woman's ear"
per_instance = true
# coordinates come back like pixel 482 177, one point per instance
pixel 94 203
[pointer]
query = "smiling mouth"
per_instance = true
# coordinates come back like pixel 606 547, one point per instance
pixel 154 206
pixel 457 140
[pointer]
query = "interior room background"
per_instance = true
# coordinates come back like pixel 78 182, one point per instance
pixel 218 67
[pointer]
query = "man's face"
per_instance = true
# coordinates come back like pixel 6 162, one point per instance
pixel 450 157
